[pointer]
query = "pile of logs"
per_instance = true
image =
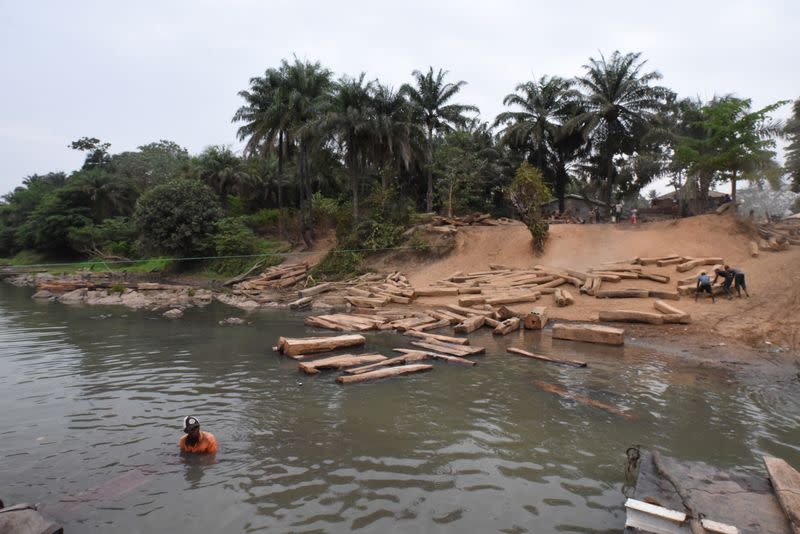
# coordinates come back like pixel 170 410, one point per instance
pixel 278 277
pixel 475 219
pixel 777 236
pixel 365 367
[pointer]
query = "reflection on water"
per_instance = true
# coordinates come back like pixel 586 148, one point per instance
pixel 93 403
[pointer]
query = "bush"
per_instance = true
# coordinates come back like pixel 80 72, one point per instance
pixel 232 238
pixel 177 217
pixel 263 221
pixel 112 237
pixel 338 264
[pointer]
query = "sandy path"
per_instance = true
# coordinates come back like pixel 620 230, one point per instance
pixel 771 314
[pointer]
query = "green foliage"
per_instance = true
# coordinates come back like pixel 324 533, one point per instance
pixel 177 217
pixel 539 230
pixel 232 237
pixel 325 211
pixel 528 192
pixel 338 264
pixel 25 257
pixel 792 132
pixel 263 221
pixel 112 237
pixel 152 164
pixel 117 288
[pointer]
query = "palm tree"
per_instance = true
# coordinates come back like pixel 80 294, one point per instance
pixel 266 129
pixel 545 107
pixel 429 99
pixel 792 132
pixel 620 104
pixel 108 195
pixel 395 144
pixel 222 170
pixel 352 120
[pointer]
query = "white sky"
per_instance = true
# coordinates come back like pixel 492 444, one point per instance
pixel 139 71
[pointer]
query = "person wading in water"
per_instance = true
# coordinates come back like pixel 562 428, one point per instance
pixel 196 441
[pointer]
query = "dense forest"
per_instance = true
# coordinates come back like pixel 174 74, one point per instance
pixel 363 157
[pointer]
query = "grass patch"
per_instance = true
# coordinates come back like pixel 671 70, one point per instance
pixel 24 257
pixel 339 265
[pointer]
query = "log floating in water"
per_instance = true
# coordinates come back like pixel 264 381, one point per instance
pixel 410 357
pixel 447 348
pixel 437 356
pixel 572 363
pixel 339 362
pixel 589 333
pixel 566 394
pixel 507 326
pixel 295 346
pixel 438 337
pixel 386 372
pixel 470 324
pixel 786 483
pixel 631 316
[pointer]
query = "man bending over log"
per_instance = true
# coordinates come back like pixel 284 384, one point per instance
pixel 704 285
pixel 738 277
pixel 196 441
pixel 727 280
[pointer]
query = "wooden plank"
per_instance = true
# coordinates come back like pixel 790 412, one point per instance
pixel 294 346
pixel 589 333
pixel 437 356
pixel 384 373
pixel 786 483
pixel 438 337
pixel 521 352
pixel 455 350
pixel 339 362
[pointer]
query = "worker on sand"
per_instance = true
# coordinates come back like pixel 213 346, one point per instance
pixel 704 284
pixel 727 280
pixel 196 441
pixel 738 278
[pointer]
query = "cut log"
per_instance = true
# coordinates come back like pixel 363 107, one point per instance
pixel 438 337
pixel 291 346
pixel 437 356
pixel 433 326
pixel 339 362
pixel 697 262
pixel 563 297
pixel 515 299
pixel 589 333
pixel 566 394
pixel 300 303
pixel 572 363
pixel 536 319
pixel 411 322
pixel 471 300
pixel 660 278
pixel 631 316
pixel 320 322
pixel 397 360
pixel 316 290
pixel 436 291
pixel 671 261
pixel 469 311
pixel 654 261
pixel 665 308
pixel 621 275
pixel 470 324
pixel 454 318
pixel 448 348
pixel 663 294
pixel 622 294
pixel 723 208
pixel 753 249
pixel 786 483
pixel 366 302
pixel 491 322
pixel 504 313
pixel 469 291
pixel 507 326
pixel 384 373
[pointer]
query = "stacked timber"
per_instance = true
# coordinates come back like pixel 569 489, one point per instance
pixel 278 277
pixel 776 236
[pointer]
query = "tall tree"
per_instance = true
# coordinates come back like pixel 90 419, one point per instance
pixel 539 126
pixel 792 132
pixel 222 170
pixel 620 105
pixel 429 97
pixel 395 147
pixel 352 120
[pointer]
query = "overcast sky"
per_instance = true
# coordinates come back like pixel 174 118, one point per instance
pixel 139 71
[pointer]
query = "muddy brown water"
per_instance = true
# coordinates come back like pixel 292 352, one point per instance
pixel 92 400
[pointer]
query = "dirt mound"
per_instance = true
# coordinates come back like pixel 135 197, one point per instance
pixel 771 314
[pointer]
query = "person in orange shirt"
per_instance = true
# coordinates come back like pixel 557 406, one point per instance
pixel 196 441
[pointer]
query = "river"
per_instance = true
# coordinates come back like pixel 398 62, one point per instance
pixel 93 399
